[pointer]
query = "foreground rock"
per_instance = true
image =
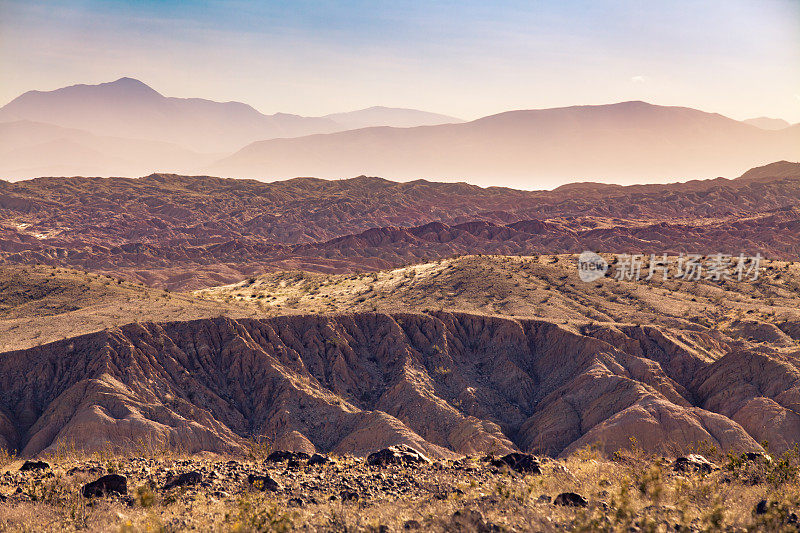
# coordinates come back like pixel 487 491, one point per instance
pixel 397 455
pixel 464 495
pixel 263 482
pixel 184 480
pixel 29 466
pixel 283 455
pixel 694 463
pixel 521 462
pixel 108 484
pixel 570 499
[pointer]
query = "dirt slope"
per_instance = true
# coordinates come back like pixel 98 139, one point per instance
pixel 443 382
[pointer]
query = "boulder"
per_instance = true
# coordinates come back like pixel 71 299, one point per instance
pixel 570 499
pixel 29 466
pixel 184 480
pixel 694 463
pixel 264 482
pixel 111 483
pixel 397 455
pixel 521 462
pixel 283 455
pixel 319 459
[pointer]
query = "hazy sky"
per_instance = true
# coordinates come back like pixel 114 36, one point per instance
pixel 464 58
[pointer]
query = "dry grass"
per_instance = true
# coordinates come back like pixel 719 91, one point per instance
pixel 630 492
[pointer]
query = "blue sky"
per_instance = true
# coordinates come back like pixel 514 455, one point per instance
pixel 469 59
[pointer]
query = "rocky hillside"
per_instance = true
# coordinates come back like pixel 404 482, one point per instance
pixel 445 383
pixel 191 232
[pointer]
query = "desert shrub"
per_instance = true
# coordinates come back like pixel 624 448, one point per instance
pixel 251 518
pixel 753 471
pixel 259 447
pixel 6 456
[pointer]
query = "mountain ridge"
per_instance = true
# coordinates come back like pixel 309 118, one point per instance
pixel 531 149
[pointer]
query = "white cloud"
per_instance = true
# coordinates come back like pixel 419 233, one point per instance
pixel 638 79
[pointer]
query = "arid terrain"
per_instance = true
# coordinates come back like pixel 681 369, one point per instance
pixel 180 325
pixel 157 490
pixel 184 233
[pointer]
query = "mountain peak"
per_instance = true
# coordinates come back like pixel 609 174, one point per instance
pixel 129 85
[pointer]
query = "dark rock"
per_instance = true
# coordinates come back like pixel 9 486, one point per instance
pixel 757 457
pixel 318 459
pixel 263 482
pixel 184 480
pixel 349 495
pixel 397 455
pixel 283 455
pixel 570 499
pixel 105 485
pixel 762 507
pixel 293 464
pixel 544 498
pixel 693 463
pixel 521 462
pixel 2 498
pixel 295 502
pixel 29 466
pixel 411 524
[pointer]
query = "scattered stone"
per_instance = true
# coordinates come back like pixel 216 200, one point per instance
pixel 694 463
pixel 570 499
pixel 521 462
pixel 397 455
pixel 184 480
pixel 263 482
pixel 411 524
pixel 105 485
pixel 29 466
pixel 283 455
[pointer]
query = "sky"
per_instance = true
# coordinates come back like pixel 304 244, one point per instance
pixel 464 58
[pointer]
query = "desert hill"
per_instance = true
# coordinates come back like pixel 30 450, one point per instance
pixel 625 142
pixel 668 362
pixel 185 232
pixel 443 382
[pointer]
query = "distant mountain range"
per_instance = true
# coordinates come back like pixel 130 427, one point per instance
pixel 627 142
pixel 766 123
pixel 126 128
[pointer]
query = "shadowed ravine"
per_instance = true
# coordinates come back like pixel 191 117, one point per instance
pixel 446 383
